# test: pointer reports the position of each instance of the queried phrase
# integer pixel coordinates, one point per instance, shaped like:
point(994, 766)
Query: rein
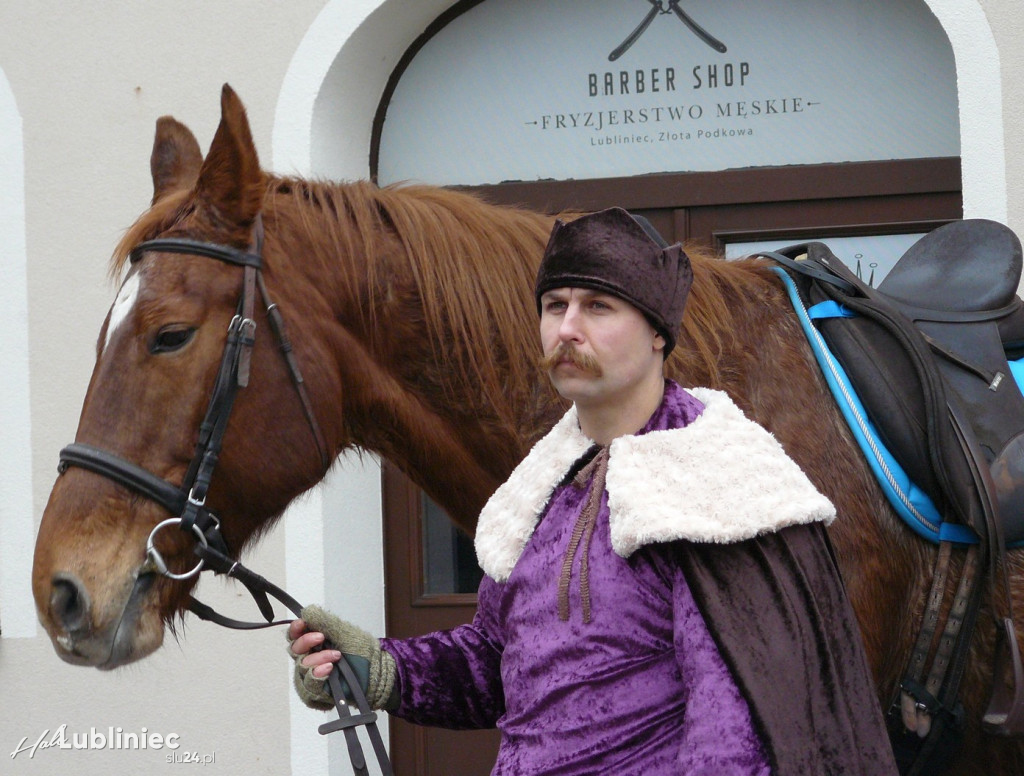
point(187, 502)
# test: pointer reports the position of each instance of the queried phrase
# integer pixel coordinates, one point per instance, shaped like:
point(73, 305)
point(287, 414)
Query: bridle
point(187, 502)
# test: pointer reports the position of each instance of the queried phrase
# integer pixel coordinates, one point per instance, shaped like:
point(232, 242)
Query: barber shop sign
point(566, 89)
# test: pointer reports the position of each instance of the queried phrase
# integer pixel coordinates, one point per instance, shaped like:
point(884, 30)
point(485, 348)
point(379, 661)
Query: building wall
point(1007, 22)
point(80, 88)
point(87, 82)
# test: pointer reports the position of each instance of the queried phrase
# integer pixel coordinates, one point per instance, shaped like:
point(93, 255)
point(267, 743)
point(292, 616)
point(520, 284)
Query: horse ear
point(176, 158)
point(230, 187)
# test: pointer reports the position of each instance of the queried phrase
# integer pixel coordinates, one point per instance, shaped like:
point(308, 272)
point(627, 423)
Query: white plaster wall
point(17, 619)
point(85, 84)
point(982, 132)
point(1006, 21)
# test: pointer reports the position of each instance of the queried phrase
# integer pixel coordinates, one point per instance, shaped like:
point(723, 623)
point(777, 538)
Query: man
point(660, 596)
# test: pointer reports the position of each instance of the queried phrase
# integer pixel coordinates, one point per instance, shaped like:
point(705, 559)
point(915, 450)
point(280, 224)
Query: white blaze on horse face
point(123, 304)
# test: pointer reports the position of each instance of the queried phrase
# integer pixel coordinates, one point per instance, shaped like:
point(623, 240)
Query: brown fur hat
point(611, 251)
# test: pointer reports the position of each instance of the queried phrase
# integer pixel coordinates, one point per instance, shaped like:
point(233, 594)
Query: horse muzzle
point(82, 636)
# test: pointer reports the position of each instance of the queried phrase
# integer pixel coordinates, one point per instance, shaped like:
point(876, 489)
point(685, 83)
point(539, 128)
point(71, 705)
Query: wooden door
point(431, 577)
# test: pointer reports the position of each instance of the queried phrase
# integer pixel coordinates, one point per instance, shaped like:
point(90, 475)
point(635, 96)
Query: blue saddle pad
point(911, 503)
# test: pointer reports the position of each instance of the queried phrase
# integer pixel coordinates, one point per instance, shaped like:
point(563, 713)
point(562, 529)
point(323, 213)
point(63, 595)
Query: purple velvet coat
point(738, 657)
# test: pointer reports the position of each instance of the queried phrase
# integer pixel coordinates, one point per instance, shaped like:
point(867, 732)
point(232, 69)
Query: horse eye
point(172, 338)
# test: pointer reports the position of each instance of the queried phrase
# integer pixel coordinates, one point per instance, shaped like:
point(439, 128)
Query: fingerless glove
point(374, 668)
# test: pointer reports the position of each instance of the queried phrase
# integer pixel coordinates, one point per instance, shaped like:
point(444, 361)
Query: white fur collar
point(723, 479)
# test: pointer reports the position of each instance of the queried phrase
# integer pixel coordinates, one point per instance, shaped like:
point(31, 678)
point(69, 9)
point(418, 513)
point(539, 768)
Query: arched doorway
point(725, 141)
point(323, 127)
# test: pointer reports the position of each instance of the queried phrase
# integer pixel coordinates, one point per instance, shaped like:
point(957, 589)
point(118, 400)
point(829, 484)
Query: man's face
point(598, 348)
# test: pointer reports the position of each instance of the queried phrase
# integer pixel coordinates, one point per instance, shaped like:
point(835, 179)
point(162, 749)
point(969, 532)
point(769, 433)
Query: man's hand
point(303, 641)
point(319, 640)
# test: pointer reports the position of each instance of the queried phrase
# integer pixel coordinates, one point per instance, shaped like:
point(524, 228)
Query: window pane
point(870, 257)
point(449, 560)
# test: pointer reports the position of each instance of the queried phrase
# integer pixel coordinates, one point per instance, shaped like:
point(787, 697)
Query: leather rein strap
point(341, 674)
point(187, 502)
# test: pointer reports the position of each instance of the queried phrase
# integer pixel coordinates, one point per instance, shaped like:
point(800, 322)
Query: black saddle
point(927, 352)
point(963, 267)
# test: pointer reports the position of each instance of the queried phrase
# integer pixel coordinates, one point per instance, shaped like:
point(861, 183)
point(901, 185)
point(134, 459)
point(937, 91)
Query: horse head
point(158, 358)
point(412, 322)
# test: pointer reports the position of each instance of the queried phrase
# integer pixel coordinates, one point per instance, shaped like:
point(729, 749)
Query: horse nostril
point(69, 603)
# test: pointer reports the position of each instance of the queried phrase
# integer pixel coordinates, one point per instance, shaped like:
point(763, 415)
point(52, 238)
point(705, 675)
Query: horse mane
point(463, 259)
point(164, 213)
point(723, 292)
point(476, 296)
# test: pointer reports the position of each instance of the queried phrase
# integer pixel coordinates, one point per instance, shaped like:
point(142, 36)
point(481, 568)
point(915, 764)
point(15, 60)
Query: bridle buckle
point(198, 503)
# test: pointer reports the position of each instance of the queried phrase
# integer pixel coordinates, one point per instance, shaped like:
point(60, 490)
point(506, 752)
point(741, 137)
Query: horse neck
point(427, 327)
point(740, 336)
point(744, 338)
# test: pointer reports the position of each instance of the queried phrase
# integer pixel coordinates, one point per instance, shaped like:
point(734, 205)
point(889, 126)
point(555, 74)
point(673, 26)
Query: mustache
point(566, 351)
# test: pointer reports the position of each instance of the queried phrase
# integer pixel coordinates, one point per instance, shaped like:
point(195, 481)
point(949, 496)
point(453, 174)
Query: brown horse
point(412, 318)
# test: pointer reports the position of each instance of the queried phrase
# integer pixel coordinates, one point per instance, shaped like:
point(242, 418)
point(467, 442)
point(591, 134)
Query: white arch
point(328, 88)
point(17, 615)
point(979, 88)
point(320, 95)
point(332, 88)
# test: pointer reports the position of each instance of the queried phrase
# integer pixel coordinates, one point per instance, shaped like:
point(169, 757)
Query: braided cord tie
point(582, 532)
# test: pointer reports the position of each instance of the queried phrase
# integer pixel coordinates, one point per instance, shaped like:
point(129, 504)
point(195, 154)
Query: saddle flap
point(965, 266)
point(1008, 475)
point(904, 396)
